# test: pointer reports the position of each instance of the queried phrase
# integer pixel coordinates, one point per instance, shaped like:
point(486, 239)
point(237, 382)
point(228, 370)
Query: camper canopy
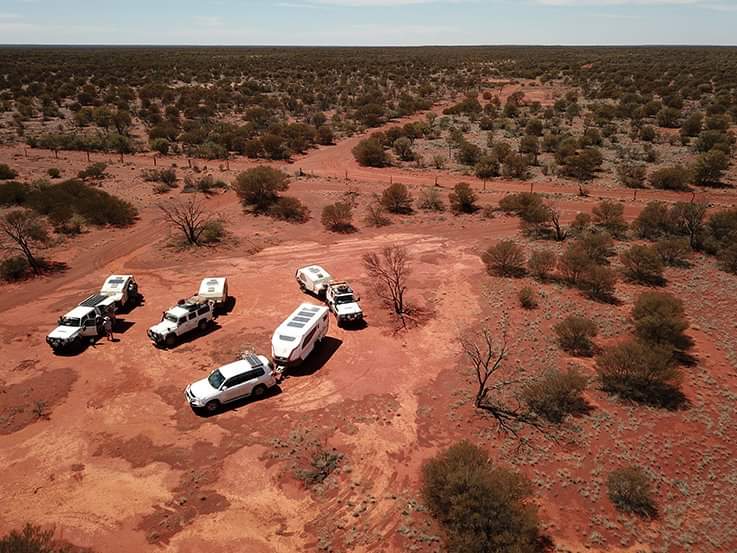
point(290, 334)
point(214, 288)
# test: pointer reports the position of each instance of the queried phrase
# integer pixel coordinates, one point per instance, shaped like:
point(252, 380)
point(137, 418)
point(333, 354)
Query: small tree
point(259, 188)
point(557, 395)
point(541, 263)
point(609, 215)
point(289, 209)
point(710, 167)
point(676, 177)
point(487, 168)
point(396, 199)
point(376, 215)
point(660, 319)
point(430, 200)
point(574, 335)
point(483, 508)
point(389, 272)
point(632, 175)
point(338, 217)
point(643, 264)
point(22, 230)
point(673, 252)
point(463, 199)
point(370, 153)
point(599, 282)
point(505, 258)
point(189, 217)
point(629, 489)
point(689, 219)
point(403, 148)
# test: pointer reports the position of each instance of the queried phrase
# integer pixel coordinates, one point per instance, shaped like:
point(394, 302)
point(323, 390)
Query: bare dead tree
point(21, 230)
point(554, 214)
point(487, 359)
point(390, 270)
point(189, 217)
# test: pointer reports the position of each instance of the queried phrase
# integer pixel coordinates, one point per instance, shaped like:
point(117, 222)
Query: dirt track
point(118, 461)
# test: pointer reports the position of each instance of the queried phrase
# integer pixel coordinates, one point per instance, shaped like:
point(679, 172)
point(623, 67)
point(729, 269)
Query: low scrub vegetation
point(630, 491)
point(338, 217)
point(557, 395)
point(505, 258)
point(575, 334)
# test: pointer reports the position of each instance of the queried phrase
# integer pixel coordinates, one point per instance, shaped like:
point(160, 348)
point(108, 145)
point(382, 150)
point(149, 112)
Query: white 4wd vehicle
point(343, 302)
point(84, 321)
point(251, 376)
point(313, 279)
point(186, 316)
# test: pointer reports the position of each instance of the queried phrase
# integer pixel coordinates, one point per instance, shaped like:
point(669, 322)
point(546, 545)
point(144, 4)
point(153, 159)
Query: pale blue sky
point(368, 22)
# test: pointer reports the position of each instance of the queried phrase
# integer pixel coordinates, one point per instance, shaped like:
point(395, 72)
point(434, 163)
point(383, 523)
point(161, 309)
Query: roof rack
point(93, 301)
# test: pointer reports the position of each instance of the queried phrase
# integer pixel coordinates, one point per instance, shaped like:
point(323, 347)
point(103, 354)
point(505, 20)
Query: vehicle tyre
point(212, 406)
point(259, 391)
point(170, 340)
point(202, 325)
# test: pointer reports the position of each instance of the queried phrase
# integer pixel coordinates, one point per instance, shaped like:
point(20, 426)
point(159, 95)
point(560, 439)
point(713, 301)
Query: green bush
point(213, 232)
point(370, 153)
point(641, 372)
point(728, 259)
point(660, 319)
point(643, 264)
point(338, 217)
point(54, 173)
point(609, 215)
point(632, 175)
point(482, 507)
point(6, 173)
point(676, 177)
point(94, 171)
point(673, 252)
point(160, 145)
point(541, 263)
point(655, 220)
point(430, 200)
point(259, 188)
point(527, 298)
point(574, 335)
point(396, 198)
point(463, 199)
point(289, 209)
point(14, 268)
point(710, 167)
point(598, 282)
point(629, 490)
point(557, 395)
point(206, 184)
point(505, 258)
point(13, 193)
point(164, 176)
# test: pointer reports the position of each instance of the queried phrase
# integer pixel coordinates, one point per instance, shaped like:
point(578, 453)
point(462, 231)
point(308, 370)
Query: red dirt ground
point(119, 462)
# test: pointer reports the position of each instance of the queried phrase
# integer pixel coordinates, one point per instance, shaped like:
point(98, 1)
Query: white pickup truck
point(343, 302)
point(186, 316)
point(84, 321)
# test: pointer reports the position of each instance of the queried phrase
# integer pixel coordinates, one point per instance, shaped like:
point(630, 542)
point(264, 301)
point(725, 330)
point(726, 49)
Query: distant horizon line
point(508, 45)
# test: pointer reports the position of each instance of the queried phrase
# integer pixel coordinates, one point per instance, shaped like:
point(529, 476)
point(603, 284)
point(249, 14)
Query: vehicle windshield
point(70, 321)
point(171, 318)
point(216, 379)
point(345, 298)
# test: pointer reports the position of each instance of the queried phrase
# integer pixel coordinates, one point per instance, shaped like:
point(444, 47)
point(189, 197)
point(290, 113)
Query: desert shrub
point(640, 372)
point(61, 201)
point(710, 167)
point(556, 395)
point(527, 298)
point(516, 166)
point(164, 176)
point(574, 335)
point(541, 263)
point(643, 264)
point(403, 148)
point(14, 268)
point(581, 223)
point(721, 228)
point(34, 539)
point(527, 205)
point(13, 193)
point(597, 245)
point(673, 252)
point(429, 199)
point(676, 177)
point(370, 153)
point(574, 262)
point(94, 171)
point(505, 258)
point(439, 161)
point(659, 318)
point(289, 209)
point(629, 490)
point(6, 173)
point(54, 173)
point(205, 184)
point(213, 232)
point(487, 167)
point(67, 222)
point(338, 217)
point(396, 198)
point(463, 199)
point(323, 463)
point(598, 282)
point(259, 188)
point(648, 133)
point(482, 507)
point(160, 145)
point(632, 175)
point(655, 220)
point(727, 258)
point(468, 153)
point(376, 215)
point(609, 215)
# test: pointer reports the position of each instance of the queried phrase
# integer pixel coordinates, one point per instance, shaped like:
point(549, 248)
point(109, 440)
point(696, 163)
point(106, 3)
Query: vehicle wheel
point(170, 340)
point(259, 391)
point(202, 325)
point(212, 406)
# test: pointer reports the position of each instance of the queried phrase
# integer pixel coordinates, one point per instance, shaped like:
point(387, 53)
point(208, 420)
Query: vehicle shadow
point(237, 404)
point(125, 309)
point(122, 326)
point(227, 307)
point(353, 327)
point(319, 357)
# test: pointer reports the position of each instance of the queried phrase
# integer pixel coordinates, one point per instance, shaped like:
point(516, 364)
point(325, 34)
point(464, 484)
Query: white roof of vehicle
point(241, 366)
point(79, 312)
point(212, 285)
point(116, 281)
point(301, 321)
point(315, 273)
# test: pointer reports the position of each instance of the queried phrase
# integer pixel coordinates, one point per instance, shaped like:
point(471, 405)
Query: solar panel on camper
point(302, 319)
point(296, 325)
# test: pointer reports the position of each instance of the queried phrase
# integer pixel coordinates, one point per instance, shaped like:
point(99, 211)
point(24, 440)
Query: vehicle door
point(190, 321)
point(89, 325)
point(254, 377)
point(234, 387)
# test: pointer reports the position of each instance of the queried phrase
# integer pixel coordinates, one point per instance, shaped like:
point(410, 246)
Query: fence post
point(436, 180)
point(121, 157)
point(227, 165)
point(391, 180)
point(189, 163)
point(88, 155)
point(154, 160)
